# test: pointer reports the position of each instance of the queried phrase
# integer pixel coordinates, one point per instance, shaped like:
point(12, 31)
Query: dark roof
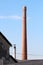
point(13, 59)
point(5, 39)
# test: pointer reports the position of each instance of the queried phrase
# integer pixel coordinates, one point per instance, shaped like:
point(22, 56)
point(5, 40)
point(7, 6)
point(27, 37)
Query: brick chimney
point(24, 35)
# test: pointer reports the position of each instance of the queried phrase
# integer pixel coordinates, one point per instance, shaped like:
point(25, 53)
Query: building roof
point(13, 59)
point(5, 39)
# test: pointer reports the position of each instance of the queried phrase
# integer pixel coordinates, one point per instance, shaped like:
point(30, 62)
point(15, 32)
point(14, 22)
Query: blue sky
point(11, 25)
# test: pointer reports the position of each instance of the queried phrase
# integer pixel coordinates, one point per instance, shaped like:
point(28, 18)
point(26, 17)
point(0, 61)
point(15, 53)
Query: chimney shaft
point(15, 51)
point(24, 35)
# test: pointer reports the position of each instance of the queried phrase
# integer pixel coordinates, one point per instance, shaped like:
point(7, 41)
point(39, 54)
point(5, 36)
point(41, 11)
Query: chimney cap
point(24, 7)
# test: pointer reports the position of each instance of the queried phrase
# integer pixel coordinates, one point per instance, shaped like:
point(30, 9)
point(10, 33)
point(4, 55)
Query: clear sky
point(11, 25)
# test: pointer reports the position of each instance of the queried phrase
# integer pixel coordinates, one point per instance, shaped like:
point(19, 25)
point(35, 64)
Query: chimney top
point(14, 45)
point(24, 7)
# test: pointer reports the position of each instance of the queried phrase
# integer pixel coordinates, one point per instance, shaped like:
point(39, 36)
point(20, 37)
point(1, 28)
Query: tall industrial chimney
point(24, 35)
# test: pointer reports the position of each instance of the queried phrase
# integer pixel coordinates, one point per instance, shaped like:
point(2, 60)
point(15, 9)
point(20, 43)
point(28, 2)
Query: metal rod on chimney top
point(15, 51)
point(24, 35)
